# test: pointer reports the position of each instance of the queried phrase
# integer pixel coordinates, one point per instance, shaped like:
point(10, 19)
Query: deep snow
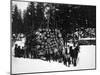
point(26, 65)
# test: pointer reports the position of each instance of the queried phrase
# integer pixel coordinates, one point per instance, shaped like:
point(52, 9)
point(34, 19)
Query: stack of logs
point(49, 40)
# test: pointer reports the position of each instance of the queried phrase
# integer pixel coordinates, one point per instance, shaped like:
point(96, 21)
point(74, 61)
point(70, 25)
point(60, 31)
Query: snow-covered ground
point(86, 61)
point(87, 39)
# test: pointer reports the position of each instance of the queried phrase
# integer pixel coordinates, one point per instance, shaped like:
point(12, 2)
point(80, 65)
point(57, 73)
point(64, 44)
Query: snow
point(26, 65)
point(87, 39)
point(20, 43)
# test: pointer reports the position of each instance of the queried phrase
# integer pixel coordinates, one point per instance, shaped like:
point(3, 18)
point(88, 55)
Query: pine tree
point(16, 20)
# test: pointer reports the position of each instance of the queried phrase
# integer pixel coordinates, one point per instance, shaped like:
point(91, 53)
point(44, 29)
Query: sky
point(21, 5)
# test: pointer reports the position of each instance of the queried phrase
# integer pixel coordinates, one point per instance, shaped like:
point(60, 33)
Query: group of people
point(18, 51)
point(51, 48)
point(71, 55)
point(67, 56)
point(24, 52)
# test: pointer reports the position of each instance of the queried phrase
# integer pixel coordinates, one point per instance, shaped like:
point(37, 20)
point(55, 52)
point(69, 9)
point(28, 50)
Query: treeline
point(61, 16)
point(28, 20)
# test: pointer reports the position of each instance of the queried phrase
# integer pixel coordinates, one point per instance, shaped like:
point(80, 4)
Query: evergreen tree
point(17, 25)
point(33, 16)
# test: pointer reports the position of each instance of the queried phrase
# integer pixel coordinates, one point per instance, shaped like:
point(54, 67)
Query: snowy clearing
point(24, 65)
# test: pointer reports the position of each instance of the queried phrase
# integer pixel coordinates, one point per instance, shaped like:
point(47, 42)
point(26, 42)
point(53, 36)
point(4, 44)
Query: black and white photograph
point(52, 37)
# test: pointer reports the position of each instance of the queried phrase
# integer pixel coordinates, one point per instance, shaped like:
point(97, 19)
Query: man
point(71, 54)
point(76, 51)
point(68, 56)
point(16, 50)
